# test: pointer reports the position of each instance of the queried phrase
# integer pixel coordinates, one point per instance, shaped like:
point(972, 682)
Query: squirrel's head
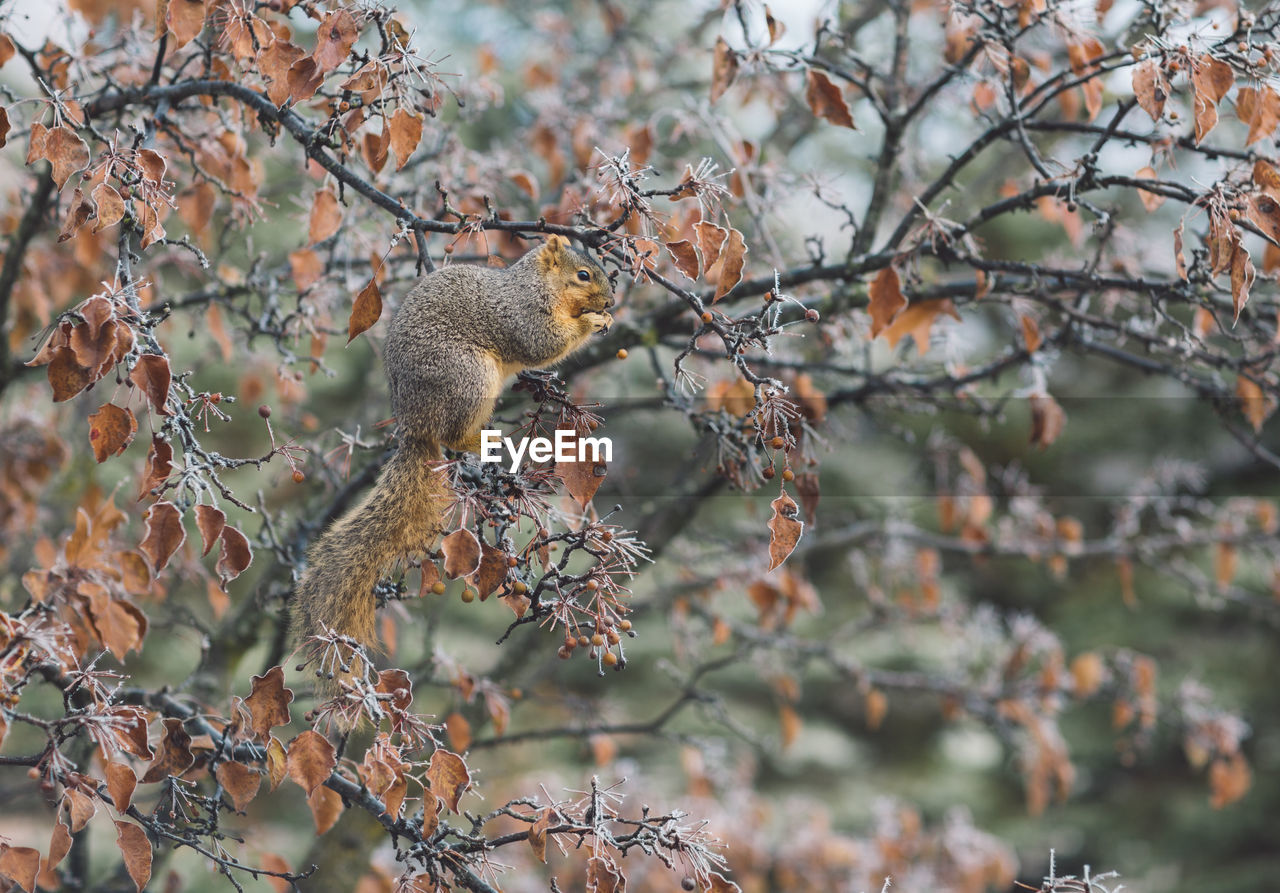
point(577, 278)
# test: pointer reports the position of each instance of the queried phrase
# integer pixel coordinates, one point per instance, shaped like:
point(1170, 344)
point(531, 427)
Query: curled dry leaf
point(64, 150)
point(1242, 278)
point(111, 430)
point(310, 759)
point(136, 849)
point(545, 821)
point(685, 256)
point(366, 310)
point(110, 206)
point(276, 761)
point(326, 807)
point(461, 553)
point(1150, 88)
point(917, 322)
point(274, 63)
point(326, 216)
point(1047, 420)
point(491, 573)
point(406, 133)
point(21, 864)
point(886, 299)
point(239, 781)
point(4, 126)
point(159, 464)
point(784, 529)
point(185, 19)
point(164, 534)
point(1264, 212)
point(724, 68)
point(268, 703)
point(59, 846)
point(1259, 107)
point(448, 776)
point(174, 756)
point(1254, 403)
point(733, 255)
point(1210, 80)
point(153, 376)
point(710, 240)
point(235, 557)
point(120, 785)
point(825, 99)
point(210, 521)
point(335, 37)
point(1150, 199)
point(1031, 338)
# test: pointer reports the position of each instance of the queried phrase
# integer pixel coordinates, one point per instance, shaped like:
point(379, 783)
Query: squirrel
point(458, 334)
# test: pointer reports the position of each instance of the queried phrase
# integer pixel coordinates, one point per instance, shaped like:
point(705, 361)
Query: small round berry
point(583, 641)
point(788, 474)
point(570, 642)
point(519, 587)
point(613, 638)
point(625, 626)
point(768, 473)
point(512, 561)
point(592, 585)
point(298, 476)
point(597, 640)
point(706, 316)
point(778, 442)
point(622, 353)
point(215, 399)
point(609, 658)
point(688, 884)
point(448, 249)
point(564, 653)
point(265, 411)
point(468, 595)
point(517, 694)
point(438, 587)
point(812, 315)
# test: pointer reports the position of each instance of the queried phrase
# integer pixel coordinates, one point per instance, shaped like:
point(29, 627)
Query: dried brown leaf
point(210, 521)
point(326, 807)
point(65, 151)
point(785, 529)
point(685, 256)
point(239, 781)
point(111, 430)
point(153, 376)
point(406, 133)
point(235, 557)
point(448, 776)
point(164, 534)
point(337, 33)
point(326, 216)
point(917, 322)
point(310, 760)
point(461, 553)
point(366, 310)
point(1047, 420)
point(1151, 88)
point(120, 785)
point(732, 259)
point(136, 849)
point(21, 864)
point(724, 68)
point(886, 300)
point(174, 756)
point(825, 99)
point(268, 703)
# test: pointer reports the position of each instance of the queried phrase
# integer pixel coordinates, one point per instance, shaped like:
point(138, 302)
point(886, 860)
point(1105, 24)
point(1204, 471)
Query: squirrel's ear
point(553, 251)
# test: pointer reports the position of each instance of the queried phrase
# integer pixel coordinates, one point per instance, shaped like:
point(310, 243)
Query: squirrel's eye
point(584, 276)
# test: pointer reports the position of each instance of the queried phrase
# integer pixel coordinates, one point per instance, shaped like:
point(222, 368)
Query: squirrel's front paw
point(600, 322)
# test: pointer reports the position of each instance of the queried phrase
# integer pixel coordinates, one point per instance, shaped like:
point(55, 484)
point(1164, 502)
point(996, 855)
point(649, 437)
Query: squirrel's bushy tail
point(401, 515)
